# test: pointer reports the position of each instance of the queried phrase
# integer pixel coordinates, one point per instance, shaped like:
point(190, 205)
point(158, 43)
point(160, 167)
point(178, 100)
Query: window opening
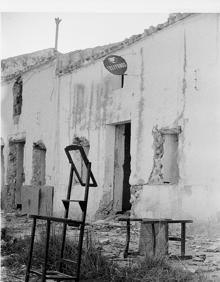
point(17, 96)
point(39, 164)
point(165, 167)
point(169, 161)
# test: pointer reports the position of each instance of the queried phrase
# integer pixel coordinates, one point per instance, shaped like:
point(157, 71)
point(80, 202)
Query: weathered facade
point(153, 143)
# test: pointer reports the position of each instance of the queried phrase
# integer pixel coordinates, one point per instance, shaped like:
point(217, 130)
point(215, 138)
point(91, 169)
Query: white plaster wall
point(193, 71)
point(91, 114)
point(161, 89)
point(37, 120)
point(143, 101)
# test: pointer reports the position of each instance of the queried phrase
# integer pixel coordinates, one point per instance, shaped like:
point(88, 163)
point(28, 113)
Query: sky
point(28, 25)
point(28, 32)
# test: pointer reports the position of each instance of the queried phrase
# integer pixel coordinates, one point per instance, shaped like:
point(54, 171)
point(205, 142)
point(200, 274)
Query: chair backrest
point(80, 149)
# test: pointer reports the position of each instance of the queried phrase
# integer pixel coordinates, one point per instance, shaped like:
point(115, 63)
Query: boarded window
point(39, 164)
point(17, 96)
point(169, 161)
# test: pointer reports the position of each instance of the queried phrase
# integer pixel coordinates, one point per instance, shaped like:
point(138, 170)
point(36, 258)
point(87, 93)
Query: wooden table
point(165, 221)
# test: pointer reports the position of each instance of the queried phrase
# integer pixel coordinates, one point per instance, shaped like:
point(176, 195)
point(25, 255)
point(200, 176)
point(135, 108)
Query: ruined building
point(154, 140)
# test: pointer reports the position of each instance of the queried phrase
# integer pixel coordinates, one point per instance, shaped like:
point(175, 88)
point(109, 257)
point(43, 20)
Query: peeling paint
point(156, 175)
point(135, 193)
point(39, 144)
point(160, 173)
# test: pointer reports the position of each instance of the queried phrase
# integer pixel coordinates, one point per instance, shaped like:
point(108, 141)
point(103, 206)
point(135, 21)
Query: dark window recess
point(39, 164)
point(17, 96)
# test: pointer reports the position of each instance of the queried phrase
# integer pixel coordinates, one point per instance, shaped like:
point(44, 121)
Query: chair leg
point(30, 250)
point(167, 237)
point(46, 251)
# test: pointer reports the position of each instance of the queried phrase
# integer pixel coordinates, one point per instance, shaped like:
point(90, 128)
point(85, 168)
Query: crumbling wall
point(165, 145)
point(39, 164)
point(156, 176)
point(9, 190)
point(135, 192)
point(17, 96)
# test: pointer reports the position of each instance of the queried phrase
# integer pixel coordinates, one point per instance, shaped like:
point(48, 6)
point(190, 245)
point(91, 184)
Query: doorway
point(16, 172)
point(122, 167)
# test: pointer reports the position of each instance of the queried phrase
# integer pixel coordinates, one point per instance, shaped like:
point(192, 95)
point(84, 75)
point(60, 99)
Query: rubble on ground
point(110, 236)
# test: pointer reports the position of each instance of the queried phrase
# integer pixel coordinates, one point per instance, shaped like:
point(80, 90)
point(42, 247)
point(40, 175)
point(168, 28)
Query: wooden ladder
point(59, 275)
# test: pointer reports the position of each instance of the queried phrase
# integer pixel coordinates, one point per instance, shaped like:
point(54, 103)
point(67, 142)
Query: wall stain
point(80, 104)
point(140, 107)
point(70, 106)
point(90, 106)
point(99, 91)
point(184, 82)
point(105, 101)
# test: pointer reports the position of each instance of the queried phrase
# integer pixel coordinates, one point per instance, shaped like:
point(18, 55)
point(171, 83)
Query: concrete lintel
point(167, 130)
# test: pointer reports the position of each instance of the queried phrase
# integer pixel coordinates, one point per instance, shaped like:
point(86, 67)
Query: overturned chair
point(46, 274)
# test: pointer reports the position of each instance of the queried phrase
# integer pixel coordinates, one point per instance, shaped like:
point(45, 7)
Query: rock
point(213, 249)
point(199, 259)
point(104, 241)
point(191, 269)
point(3, 243)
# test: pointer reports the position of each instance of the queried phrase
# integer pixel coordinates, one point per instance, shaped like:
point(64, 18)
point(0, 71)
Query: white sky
point(29, 32)
point(28, 26)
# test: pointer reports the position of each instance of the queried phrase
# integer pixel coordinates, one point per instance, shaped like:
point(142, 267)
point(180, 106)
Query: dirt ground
point(203, 243)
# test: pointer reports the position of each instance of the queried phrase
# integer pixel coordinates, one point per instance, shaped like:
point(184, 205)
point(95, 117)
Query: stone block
point(46, 200)
point(151, 245)
point(30, 199)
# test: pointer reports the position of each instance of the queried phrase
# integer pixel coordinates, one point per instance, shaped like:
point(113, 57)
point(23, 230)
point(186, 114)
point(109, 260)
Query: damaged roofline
point(77, 58)
point(16, 66)
point(111, 48)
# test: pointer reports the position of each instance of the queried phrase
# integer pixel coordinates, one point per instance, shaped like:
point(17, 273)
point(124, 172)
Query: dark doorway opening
point(122, 167)
point(126, 205)
point(16, 172)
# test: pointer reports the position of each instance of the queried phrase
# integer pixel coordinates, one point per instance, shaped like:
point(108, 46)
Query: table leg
point(154, 238)
point(128, 236)
point(183, 238)
point(167, 237)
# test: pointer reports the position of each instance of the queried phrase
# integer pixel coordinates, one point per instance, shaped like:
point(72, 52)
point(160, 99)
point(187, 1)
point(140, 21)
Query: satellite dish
point(115, 64)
